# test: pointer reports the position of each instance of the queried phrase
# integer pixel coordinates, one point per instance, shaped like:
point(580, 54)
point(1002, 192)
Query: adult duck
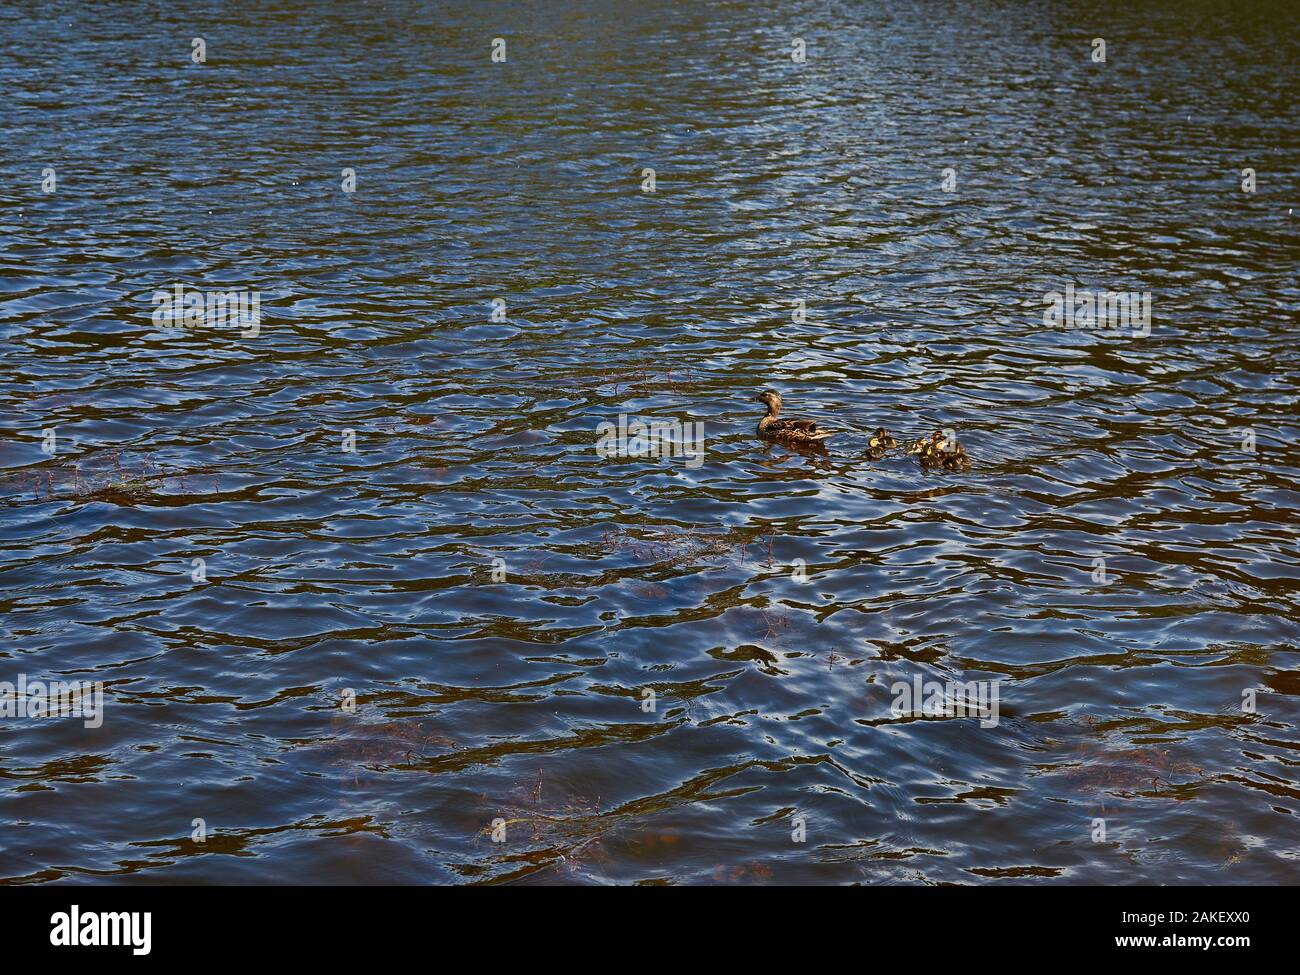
point(804, 433)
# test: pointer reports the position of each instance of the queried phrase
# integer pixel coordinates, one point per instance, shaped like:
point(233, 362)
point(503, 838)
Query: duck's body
point(799, 432)
point(941, 452)
point(882, 441)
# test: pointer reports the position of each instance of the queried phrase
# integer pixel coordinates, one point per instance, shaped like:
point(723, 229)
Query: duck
point(926, 449)
point(941, 452)
point(881, 441)
point(798, 432)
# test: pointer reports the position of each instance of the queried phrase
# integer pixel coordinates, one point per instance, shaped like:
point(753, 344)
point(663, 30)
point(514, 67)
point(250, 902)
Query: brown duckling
point(797, 432)
point(881, 441)
point(927, 450)
point(941, 452)
point(955, 458)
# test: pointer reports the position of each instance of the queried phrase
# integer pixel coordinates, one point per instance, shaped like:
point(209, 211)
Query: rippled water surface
point(498, 596)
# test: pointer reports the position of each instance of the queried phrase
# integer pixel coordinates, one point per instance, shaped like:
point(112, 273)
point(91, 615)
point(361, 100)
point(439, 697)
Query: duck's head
point(771, 398)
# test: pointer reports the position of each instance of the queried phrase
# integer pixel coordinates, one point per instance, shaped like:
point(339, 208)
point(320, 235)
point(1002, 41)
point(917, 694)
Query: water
point(371, 571)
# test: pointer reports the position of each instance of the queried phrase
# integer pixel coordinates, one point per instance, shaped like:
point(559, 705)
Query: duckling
point(955, 458)
point(942, 452)
point(881, 441)
point(927, 449)
point(796, 432)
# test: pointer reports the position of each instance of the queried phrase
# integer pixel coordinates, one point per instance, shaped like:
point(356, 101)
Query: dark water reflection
point(520, 699)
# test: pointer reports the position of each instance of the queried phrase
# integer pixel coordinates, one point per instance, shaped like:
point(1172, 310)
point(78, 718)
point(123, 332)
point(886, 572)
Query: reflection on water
point(363, 595)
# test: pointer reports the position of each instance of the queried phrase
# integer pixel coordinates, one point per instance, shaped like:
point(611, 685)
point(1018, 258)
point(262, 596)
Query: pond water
point(358, 584)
